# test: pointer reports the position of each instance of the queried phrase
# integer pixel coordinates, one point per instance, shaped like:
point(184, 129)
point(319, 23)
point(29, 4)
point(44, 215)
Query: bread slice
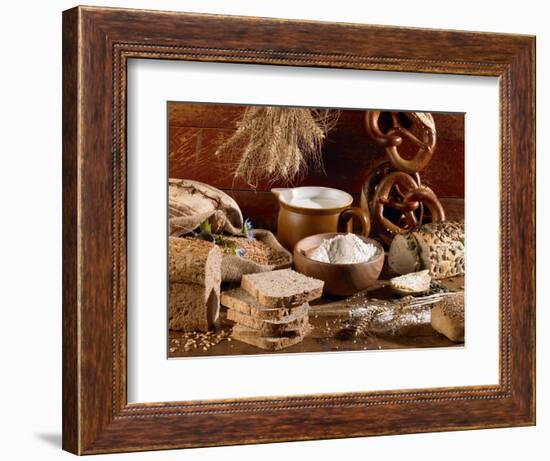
point(270, 343)
point(293, 324)
point(241, 301)
point(447, 317)
point(193, 307)
point(414, 283)
point(282, 288)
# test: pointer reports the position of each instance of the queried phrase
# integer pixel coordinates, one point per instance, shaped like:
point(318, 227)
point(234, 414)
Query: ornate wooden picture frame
point(97, 44)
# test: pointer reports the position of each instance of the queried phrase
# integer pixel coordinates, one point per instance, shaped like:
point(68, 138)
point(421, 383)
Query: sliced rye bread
point(282, 288)
point(241, 301)
point(270, 343)
point(294, 324)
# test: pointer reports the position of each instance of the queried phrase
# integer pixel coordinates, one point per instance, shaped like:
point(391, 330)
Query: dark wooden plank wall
point(196, 130)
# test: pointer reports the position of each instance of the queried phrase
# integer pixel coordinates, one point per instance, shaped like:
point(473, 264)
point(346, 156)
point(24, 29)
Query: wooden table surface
point(327, 317)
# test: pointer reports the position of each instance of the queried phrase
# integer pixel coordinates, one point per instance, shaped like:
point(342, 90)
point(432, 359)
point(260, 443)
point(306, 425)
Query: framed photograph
point(280, 230)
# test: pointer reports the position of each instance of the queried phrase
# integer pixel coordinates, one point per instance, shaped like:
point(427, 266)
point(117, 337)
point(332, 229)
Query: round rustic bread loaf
point(192, 202)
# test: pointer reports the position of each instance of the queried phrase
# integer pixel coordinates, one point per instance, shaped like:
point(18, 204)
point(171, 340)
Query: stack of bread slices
point(270, 309)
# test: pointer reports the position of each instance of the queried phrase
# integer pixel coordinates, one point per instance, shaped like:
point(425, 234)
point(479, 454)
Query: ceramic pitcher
point(305, 211)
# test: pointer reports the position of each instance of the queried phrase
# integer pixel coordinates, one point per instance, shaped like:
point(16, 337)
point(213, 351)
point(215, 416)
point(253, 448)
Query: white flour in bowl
point(344, 249)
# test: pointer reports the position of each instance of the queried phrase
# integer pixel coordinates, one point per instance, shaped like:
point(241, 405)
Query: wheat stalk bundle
point(277, 143)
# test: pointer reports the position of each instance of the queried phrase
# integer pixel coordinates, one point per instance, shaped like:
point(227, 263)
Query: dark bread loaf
point(192, 307)
point(194, 268)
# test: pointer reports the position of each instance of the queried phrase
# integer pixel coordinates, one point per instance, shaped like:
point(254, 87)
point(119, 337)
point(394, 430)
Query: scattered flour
point(344, 249)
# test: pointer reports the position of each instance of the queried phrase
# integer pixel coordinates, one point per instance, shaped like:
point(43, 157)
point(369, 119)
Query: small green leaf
point(206, 227)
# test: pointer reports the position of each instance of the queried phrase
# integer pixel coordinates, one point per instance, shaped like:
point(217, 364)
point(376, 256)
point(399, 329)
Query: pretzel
point(395, 136)
point(401, 193)
point(373, 178)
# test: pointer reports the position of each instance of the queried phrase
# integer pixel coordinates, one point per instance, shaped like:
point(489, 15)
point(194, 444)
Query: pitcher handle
point(354, 212)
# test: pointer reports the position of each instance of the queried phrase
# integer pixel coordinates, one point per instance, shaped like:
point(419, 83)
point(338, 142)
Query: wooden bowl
point(340, 279)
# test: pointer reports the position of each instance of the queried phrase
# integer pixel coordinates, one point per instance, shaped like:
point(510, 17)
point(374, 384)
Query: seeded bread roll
point(282, 288)
point(292, 324)
point(241, 301)
point(447, 317)
point(437, 247)
point(254, 338)
point(194, 288)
